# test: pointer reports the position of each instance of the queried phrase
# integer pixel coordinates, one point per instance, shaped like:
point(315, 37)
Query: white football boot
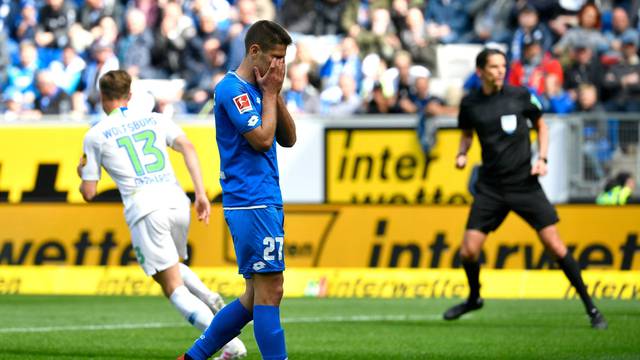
point(215, 302)
point(234, 349)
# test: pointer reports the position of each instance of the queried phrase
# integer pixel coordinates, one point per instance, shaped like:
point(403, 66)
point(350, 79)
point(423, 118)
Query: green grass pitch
point(66, 327)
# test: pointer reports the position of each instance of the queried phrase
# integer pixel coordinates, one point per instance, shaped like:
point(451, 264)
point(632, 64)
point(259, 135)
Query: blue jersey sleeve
point(239, 107)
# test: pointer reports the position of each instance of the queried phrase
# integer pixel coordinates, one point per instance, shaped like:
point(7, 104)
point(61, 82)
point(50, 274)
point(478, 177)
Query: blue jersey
point(248, 177)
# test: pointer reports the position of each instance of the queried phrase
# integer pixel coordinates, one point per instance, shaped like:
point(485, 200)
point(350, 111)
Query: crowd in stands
point(349, 56)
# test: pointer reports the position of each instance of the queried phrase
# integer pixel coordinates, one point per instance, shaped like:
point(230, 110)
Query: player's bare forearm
point(261, 138)
point(88, 189)
point(543, 138)
point(188, 151)
point(540, 166)
point(465, 141)
point(286, 127)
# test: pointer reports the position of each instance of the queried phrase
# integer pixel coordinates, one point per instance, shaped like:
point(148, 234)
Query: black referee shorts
point(492, 203)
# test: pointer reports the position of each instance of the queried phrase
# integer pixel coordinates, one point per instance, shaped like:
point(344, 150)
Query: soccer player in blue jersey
point(250, 117)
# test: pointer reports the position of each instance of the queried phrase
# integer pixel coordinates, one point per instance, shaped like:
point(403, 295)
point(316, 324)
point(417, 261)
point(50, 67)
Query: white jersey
point(132, 147)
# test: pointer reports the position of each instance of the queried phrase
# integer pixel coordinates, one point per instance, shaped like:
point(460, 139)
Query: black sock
point(472, 268)
point(572, 271)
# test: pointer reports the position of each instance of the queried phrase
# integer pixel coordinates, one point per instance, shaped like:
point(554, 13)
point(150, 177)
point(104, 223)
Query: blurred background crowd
point(349, 56)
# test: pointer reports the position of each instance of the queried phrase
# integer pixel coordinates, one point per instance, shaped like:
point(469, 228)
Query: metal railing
point(601, 145)
point(595, 147)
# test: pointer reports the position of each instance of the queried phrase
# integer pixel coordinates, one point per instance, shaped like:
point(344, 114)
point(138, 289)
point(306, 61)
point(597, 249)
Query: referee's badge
point(509, 123)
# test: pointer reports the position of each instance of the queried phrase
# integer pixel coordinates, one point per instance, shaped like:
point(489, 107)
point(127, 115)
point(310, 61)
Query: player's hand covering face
point(270, 69)
point(271, 82)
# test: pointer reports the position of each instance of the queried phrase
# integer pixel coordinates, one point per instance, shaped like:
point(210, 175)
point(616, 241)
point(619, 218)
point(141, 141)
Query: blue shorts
point(258, 239)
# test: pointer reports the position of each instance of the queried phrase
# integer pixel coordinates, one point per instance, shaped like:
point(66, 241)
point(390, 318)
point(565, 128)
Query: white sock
point(193, 310)
point(194, 284)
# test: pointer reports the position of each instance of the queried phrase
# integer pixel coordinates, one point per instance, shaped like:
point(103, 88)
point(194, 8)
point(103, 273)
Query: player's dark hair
point(115, 84)
point(267, 34)
point(483, 56)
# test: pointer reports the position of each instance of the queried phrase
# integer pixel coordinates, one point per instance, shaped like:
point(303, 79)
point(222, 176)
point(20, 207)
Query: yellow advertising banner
point(374, 166)
point(331, 236)
point(39, 162)
point(327, 282)
point(387, 166)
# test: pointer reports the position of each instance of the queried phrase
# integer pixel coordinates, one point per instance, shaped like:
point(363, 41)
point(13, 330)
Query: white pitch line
point(89, 327)
point(362, 318)
point(295, 320)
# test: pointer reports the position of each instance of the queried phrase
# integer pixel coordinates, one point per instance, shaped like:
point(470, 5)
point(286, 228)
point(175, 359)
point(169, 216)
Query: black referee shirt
point(500, 120)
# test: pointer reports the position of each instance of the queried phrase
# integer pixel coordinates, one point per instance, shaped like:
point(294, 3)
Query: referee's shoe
point(597, 320)
point(463, 308)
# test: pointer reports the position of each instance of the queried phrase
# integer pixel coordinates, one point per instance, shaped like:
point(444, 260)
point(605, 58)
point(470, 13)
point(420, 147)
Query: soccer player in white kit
point(132, 148)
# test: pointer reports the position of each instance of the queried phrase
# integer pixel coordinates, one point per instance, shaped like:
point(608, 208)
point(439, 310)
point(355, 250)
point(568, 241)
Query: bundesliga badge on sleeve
point(242, 103)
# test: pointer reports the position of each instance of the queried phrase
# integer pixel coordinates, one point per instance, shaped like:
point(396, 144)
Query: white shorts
point(160, 239)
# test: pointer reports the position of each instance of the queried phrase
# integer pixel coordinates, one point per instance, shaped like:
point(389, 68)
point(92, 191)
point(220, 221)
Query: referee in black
point(507, 180)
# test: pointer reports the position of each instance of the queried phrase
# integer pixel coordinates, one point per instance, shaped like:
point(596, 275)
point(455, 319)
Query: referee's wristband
point(544, 159)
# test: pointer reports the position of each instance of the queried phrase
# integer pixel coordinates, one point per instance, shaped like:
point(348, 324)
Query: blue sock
point(269, 335)
point(225, 326)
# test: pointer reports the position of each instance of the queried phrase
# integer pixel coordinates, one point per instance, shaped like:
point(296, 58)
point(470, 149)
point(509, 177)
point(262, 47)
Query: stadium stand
point(197, 40)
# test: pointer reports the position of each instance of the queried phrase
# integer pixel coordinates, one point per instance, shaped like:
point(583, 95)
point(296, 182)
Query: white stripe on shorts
point(245, 207)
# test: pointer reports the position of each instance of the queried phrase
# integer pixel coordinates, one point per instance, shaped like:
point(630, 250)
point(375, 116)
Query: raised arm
point(261, 137)
point(182, 145)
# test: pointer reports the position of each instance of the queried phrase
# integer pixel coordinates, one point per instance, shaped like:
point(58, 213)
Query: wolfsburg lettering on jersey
point(128, 127)
point(155, 179)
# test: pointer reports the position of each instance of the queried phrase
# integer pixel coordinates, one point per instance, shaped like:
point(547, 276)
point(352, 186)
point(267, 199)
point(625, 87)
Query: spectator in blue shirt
point(4, 59)
point(448, 20)
point(26, 25)
point(67, 72)
point(555, 99)
point(342, 99)
point(21, 77)
point(529, 24)
point(345, 60)
point(621, 27)
point(301, 98)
